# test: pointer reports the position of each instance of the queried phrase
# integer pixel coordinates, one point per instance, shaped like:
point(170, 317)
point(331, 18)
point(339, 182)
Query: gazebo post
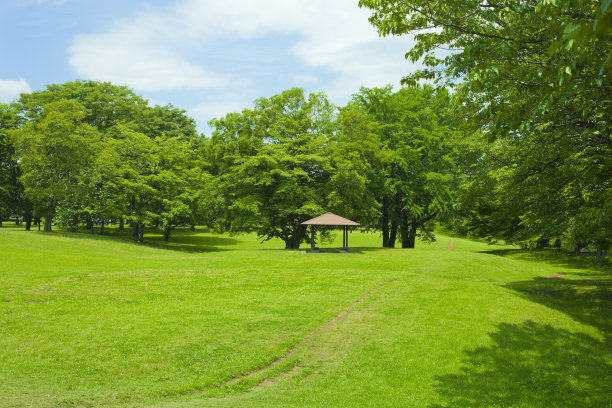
point(347, 231)
point(345, 240)
point(312, 233)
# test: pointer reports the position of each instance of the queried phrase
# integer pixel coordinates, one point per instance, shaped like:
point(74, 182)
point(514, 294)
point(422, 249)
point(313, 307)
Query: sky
point(208, 57)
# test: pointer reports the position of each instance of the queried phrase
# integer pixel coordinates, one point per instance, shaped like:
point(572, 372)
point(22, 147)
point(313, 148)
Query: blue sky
point(209, 57)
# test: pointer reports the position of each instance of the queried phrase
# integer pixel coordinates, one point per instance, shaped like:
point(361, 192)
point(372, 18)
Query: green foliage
point(105, 104)
point(155, 181)
point(272, 164)
point(413, 181)
point(385, 160)
point(56, 156)
point(357, 157)
point(11, 190)
point(533, 73)
point(92, 151)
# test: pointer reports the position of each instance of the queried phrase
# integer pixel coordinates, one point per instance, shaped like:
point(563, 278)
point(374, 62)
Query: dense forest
point(506, 137)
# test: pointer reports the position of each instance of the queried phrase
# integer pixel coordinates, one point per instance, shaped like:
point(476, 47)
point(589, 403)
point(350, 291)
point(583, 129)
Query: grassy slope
point(89, 321)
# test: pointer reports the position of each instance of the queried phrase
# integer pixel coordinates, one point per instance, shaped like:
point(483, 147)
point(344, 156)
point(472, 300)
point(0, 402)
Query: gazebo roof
point(330, 219)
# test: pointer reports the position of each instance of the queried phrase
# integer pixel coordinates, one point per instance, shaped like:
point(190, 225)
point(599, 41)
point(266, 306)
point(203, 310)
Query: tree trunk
point(48, 226)
point(135, 232)
point(293, 242)
point(89, 223)
point(393, 234)
point(542, 243)
point(167, 230)
point(192, 227)
point(37, 222)
point(404, 229)
point(0, 222)
point(557, 243)
point(141, 228)
point(599, 254)
point(102, 228)
point(385, 224)
point(17, 220)
point(121, 224)
point(27, 216)
point(412, 234)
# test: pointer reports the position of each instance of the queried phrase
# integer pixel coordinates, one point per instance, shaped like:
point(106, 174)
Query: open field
point(213, 320)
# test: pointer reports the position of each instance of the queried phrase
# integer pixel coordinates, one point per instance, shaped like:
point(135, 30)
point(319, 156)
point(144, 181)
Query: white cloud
point(11, 89)
point(132, 54)
point(305, 79)
point(185, 45)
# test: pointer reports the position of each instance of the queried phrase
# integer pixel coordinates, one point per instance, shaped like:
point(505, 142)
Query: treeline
point(82, 152)
point(85, 152)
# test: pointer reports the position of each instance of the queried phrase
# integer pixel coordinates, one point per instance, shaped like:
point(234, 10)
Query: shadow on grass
point(192, 243)
point(588, 301)
point(184, 241)
point(554, 257)
point(535, 365)
point(531, 365)
point(306, 249)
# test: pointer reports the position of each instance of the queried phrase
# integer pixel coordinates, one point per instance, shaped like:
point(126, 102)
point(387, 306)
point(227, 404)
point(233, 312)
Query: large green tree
point(11, 190)
point(105, 104)
point(535, 73)
point(274, 171)
point(413, 181)
point(106, 107)
point(153, 181)
point(56, 154)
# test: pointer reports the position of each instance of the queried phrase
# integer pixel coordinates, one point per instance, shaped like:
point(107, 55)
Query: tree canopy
point(535, 74)
point(520, 148)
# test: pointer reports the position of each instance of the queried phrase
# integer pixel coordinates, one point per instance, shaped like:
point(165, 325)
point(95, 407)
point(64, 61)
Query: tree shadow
point(536, 365)
point(588, 301)
point(531, 365)
point(351, 251)
point(192, 243)
point(555, 257)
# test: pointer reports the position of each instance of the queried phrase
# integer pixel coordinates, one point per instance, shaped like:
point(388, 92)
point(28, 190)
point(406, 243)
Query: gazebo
point(330, 219)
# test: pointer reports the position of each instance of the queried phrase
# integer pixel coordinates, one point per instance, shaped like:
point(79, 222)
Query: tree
point(11, 191)
point(415, 181)
point(166, 120)
point(153, 181)
point(106, 108)
point(275, 170)
point(357, 157)
point(536, 74)
point(181, 182)
point(55, 154)
point(105, 104)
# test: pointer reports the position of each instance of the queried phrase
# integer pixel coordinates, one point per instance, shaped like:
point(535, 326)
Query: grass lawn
point(212, 320)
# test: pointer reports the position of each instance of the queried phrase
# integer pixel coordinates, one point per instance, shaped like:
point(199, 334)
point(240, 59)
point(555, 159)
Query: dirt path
point(450, 245)
point(308, 339)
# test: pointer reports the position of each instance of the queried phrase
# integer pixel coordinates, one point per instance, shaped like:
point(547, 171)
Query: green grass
point(213, 320)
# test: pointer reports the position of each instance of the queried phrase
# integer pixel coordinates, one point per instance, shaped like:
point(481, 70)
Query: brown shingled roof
point(330, 219)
